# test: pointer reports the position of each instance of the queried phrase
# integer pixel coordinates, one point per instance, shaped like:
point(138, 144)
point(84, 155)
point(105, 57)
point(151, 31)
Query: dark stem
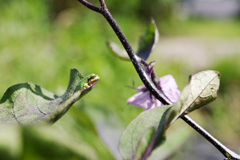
point(133, 57)
point(154, 76)
point(90, 6)
point(148, 82)
point(103, 5)
point(223, 149)
point(135, 60)
point(155, 79)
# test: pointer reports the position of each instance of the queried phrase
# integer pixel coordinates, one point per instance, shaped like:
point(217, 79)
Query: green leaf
point(28, 104)
point(147, 131)
point(146, 44)
point(175, 141)
point(204, 88)
point(137, 136)
point(148, 41)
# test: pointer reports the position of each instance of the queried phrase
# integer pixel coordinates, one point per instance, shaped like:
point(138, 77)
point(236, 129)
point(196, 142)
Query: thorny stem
point(148, 82)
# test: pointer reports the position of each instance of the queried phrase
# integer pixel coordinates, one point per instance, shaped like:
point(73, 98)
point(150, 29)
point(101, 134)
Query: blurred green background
point(40, 41)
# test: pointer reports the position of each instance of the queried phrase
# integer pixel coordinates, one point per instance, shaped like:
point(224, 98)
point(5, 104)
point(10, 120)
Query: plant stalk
point(223, 149)
point(133, 57)
point(148, 82)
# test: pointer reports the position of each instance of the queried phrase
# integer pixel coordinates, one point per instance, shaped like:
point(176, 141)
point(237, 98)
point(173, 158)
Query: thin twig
point(133, 57)
point(135, 60)
point(223, 149)
point(90, 6)
point(103, 4)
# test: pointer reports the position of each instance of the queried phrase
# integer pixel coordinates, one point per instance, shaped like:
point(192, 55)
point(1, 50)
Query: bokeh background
point(40, 41)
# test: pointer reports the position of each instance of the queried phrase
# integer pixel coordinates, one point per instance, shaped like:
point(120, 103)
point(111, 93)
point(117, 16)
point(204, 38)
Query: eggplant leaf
point(147, 131)
point(204, 88)
point(27, 103)
point(147, 43)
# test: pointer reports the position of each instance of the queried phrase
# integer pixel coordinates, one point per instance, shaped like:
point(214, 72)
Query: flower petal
point(169, 88)
point(147, 101)
point(144, 100)
point(141, 88)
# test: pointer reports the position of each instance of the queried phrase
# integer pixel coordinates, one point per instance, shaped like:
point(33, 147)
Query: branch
point(90, 6)
point(133, 57)
point(103, 5)
point(223, 149)
point(148, 82)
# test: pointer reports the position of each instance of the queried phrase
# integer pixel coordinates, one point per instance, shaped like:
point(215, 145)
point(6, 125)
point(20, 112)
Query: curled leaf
point(28, 104)
point(148, 41)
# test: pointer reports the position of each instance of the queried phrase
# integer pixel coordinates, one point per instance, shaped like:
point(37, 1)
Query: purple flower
point(146, 100)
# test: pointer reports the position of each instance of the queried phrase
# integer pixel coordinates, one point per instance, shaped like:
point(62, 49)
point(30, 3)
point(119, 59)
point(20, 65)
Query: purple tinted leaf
point(139, 133)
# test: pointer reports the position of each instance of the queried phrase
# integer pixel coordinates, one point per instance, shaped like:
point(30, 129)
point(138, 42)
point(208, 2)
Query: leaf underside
point(27, 103)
